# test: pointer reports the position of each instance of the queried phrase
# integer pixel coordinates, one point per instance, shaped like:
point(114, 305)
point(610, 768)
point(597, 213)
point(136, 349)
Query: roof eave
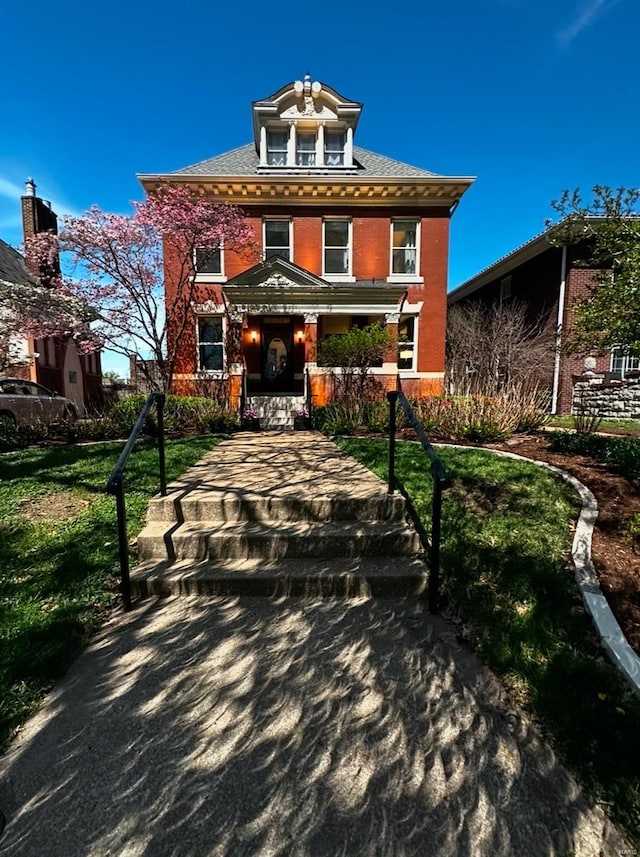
point(245, 189)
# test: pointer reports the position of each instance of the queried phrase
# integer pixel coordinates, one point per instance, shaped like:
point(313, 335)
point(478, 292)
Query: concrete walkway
point(232, 726)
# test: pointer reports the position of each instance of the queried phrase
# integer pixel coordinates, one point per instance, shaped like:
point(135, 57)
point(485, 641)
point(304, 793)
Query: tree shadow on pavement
point(240, 726)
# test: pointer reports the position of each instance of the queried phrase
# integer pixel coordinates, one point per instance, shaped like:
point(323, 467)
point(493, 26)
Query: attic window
point(277, 142)
point(306, 150)
point(334, 142)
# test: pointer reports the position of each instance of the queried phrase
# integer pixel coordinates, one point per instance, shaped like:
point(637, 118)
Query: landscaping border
point(609, 631)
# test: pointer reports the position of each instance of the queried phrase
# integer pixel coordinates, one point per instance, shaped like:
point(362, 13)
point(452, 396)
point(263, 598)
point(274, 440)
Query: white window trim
point(266, 220)
point(211, 373)
point(338, 278)
point(334, 130)
point(211, 278)
point(414, 362)
point(315, 127)
point(405, 278)
point(625, 366)
point(283, 129)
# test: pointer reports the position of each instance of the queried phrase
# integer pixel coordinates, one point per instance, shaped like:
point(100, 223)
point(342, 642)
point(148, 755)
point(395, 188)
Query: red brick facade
point(368, 191)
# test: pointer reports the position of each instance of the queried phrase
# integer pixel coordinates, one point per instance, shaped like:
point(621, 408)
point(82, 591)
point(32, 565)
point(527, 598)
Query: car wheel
point(7, 419)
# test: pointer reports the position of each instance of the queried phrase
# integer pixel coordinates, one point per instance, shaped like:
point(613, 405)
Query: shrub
point(182, 415)
point(355, 354)
point(620, 454)
point(480, 418)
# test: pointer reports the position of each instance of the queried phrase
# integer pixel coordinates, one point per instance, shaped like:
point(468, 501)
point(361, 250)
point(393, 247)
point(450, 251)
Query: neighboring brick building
point(549, 281)
point(53, 361)
point(344, 237)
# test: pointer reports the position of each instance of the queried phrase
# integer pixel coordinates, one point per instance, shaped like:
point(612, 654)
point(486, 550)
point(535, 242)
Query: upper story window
point(404, 247)
point(505, 288)
point(334, 144)
point(305, 149)
point(277, 144)
point(337, 247)
point(277, 238)
point(209, 260)
point(210, 343)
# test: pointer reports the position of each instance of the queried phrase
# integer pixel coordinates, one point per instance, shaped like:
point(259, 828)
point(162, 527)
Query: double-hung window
point(209, 260)
point(305, 149)
point(505, 289)
point(337, 247)
point(277, 238)
point(622, 362)
point(210, 343)
point(277, 144)
point(404, 247)
point(334, 142)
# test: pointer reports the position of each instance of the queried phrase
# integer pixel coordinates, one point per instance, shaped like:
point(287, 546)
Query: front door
point(277, 354)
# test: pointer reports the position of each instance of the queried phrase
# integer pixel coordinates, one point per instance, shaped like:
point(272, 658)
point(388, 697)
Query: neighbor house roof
point(244, 161)
point(540, 243)
point(12, 266)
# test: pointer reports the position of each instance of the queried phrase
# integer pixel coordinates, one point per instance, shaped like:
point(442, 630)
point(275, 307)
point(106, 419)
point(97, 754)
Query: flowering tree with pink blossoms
point(36, 309)
point(117, 270)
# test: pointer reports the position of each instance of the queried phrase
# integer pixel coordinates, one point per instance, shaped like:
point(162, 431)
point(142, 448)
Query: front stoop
point(276, 412)
point(285, 517)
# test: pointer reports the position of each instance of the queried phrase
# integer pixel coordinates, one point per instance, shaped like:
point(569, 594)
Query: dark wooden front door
point(276, 358)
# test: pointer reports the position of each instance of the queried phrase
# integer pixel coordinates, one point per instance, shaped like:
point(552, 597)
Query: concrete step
point(370, 576)
point(257, 540)
point(223, 504)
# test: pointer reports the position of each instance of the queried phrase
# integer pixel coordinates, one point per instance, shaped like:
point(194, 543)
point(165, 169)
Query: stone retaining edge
point(610, 632)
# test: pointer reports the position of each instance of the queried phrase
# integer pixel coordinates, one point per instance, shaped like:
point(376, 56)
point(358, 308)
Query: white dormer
point(305, 127)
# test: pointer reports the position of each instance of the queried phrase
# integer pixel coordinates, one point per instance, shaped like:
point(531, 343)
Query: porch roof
point(277, 285)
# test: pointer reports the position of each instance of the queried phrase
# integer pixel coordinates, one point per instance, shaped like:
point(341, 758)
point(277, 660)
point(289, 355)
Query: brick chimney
point(37, 216)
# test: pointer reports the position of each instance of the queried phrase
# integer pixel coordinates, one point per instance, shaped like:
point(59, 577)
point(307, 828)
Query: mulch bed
point(615, 551)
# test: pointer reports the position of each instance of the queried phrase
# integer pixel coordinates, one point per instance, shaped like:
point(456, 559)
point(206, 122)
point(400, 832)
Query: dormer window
point(277, 143)
point(305, 149)
point(305, 126)
point(334, 142)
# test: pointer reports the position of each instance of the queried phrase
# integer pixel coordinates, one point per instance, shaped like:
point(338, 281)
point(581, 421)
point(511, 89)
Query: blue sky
point(530, 96)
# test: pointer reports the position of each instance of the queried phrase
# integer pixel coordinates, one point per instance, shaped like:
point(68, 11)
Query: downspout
point(556, 365)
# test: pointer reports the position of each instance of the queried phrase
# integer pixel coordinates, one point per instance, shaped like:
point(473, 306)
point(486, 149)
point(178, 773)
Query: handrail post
point(392, 398)
point(434, 571)
point(123, 547)
point(308, 396)
point(163, 473)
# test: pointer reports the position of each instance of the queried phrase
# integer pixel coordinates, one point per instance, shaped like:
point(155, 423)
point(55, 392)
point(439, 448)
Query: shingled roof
point(12, 267)
point(244, 161)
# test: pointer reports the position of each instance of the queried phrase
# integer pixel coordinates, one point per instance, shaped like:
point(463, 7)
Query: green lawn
point(59, 555)
point(506, 541)
point(567, 422)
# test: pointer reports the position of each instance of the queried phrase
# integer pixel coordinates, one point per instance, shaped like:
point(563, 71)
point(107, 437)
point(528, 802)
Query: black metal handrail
point(115, 486)
point(440, 483)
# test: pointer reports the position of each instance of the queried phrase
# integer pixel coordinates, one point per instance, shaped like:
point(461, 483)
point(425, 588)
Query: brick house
point(549, 280)
point(53, 361)
point(344, 237)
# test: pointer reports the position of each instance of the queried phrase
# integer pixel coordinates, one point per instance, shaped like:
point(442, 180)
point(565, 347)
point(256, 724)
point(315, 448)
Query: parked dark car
point(25, 403)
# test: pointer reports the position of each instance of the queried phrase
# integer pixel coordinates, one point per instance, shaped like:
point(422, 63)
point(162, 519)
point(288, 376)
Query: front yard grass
point(59, 555)
point(507, 532)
